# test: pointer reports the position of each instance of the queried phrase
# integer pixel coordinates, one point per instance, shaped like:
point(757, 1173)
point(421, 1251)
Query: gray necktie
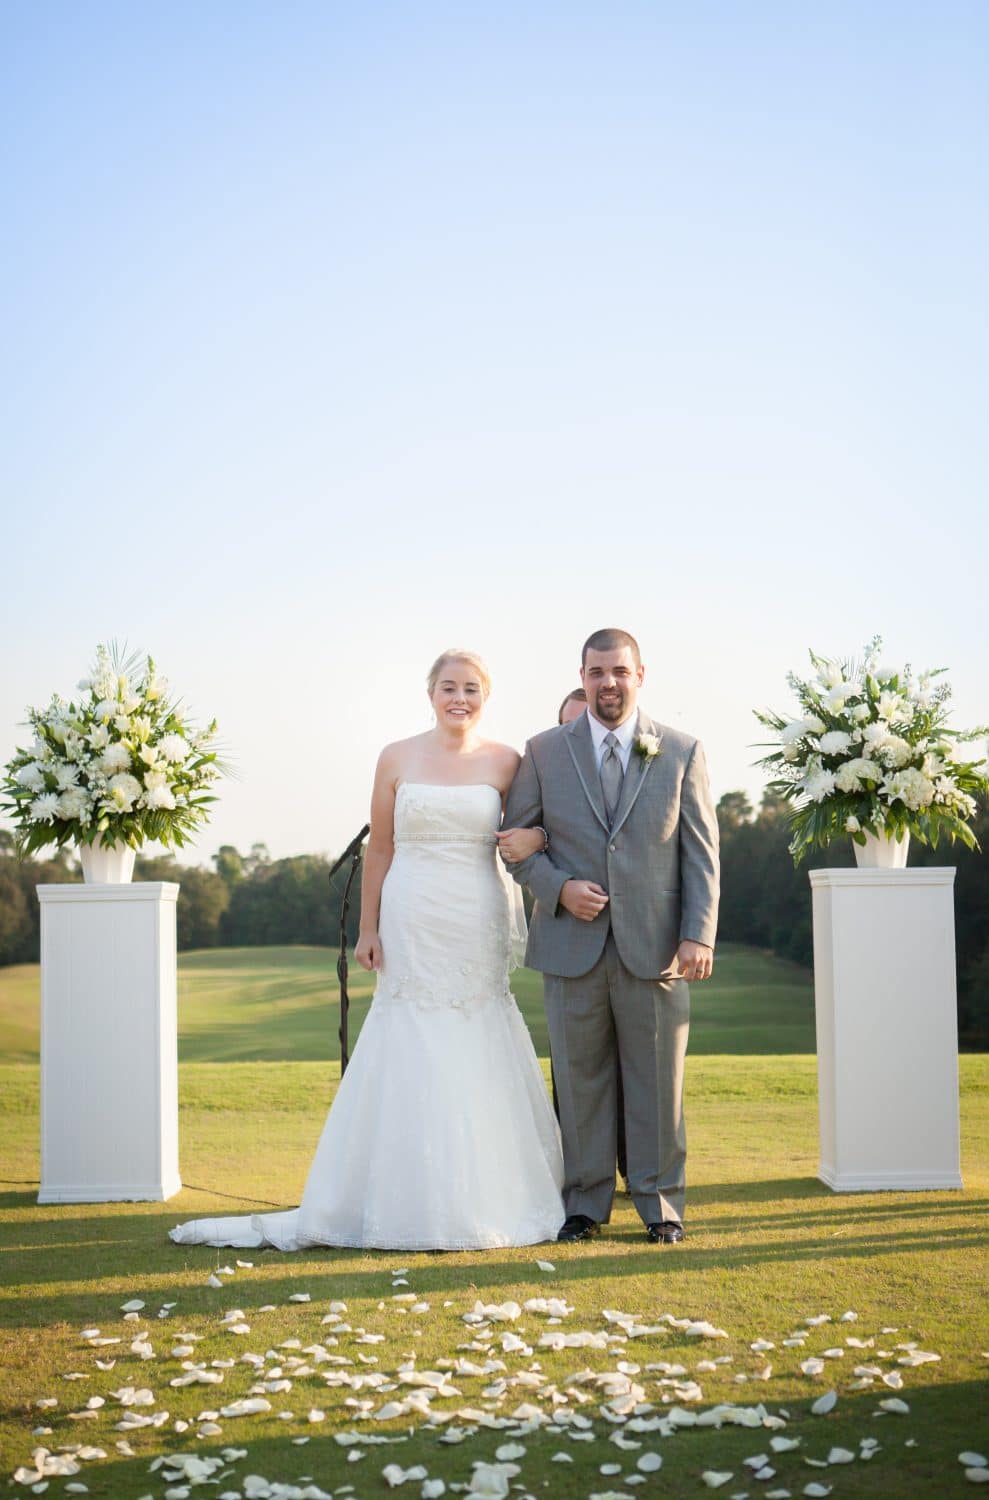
point(612, 776)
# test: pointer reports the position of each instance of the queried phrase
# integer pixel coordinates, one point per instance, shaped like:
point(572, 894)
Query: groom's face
point(611, 681)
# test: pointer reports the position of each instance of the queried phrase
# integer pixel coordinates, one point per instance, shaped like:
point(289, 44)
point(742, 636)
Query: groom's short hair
point(611, 640)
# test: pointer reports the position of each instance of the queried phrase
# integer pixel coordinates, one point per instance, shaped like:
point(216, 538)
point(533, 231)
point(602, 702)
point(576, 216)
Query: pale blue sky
point(337, 334)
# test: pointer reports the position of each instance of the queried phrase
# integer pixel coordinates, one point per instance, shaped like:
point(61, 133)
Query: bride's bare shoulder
point(505, 757)
point(396, 756)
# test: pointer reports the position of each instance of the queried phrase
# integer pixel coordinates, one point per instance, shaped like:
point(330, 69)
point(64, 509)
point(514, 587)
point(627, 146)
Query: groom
point(625, 913)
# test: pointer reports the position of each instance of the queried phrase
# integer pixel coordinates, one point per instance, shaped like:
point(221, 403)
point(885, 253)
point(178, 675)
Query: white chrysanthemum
point(175, 749)
point(66, 776)
point(793, 732)
point(115, 757)
point(910, 787)
point(835, 742)
point(31, 776)
point(73, 803)
point(860, 712)
point(123, 790)
point(818, 784)
point(159, 796)
point(106, 709)
point(44, 808)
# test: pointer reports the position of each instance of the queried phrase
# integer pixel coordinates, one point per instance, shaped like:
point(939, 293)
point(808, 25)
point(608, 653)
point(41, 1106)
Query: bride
point(441, 1136)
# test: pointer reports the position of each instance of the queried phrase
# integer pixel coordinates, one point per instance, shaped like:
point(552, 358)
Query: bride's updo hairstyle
point(470, 657)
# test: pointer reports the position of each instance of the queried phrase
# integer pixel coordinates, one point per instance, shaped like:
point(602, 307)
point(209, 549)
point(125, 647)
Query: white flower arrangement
point(871, 753)
point(122, 763)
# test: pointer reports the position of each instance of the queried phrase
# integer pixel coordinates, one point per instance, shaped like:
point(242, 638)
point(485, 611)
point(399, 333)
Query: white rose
point(813, 724)
point(860, 712)
point(852, 824)
point(159, 796)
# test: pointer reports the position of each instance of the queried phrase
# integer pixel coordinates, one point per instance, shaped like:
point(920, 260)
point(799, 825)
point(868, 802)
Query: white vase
point(101, 865)
point(882, 852)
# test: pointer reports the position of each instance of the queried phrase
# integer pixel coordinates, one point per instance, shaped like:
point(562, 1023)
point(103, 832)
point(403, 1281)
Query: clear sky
point(335, 334)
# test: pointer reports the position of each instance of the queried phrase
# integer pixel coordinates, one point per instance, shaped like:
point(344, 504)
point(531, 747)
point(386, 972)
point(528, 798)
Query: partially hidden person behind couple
point(441, 1136)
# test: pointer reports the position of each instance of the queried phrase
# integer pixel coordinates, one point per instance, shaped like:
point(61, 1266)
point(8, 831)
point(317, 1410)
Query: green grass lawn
point(768, 1248)
point(247, 1004)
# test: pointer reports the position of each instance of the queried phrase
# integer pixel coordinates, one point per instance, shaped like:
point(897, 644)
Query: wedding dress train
point(441, 1136)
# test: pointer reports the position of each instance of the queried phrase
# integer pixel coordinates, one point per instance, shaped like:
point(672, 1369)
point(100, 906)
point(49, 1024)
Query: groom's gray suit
point(610, 984)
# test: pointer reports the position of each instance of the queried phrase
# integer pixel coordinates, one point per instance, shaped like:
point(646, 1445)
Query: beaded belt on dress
point(445, 838)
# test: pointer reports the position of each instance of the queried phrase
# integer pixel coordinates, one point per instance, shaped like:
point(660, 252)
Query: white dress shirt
point(624, 733)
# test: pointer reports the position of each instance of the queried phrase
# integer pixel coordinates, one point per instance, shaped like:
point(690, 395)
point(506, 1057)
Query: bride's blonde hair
point(453, 654)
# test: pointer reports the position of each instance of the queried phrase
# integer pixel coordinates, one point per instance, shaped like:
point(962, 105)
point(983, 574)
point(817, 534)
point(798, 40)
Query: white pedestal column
point(887, 1029)
point(109, 1069)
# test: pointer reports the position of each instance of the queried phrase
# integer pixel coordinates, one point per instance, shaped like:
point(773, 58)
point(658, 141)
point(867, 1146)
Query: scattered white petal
point(509, 1451)
point(893, 1379)
point(715, 1478)
point(824, 1403)
point(133, 1306)
point(812, 1366)
point(649, 1463)
point(300, 1297)
point(817, 1491)
point(977, 1476)
point(545, 1265)
point(562, 1458)
point(841, 1456)
point(967, 1460)
point(894, 1404)
point(214, 1281)
point(432, 1489)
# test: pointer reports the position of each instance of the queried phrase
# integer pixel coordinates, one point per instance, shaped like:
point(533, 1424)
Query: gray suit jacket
point(659, 864)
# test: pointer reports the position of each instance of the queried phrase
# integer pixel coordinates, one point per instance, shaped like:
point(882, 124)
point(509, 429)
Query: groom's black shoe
point(669, 1232)
point(577, 1227)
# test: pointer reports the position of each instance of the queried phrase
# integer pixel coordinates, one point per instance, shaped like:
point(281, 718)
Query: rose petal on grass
point(824, 1404)
point(977, 1476)
point(967, 1459)
point(812, 1366)
point(545, 1265)
point(715, 1478)
point(214, 1281)
point(649, 1462)
point(841, 1456)
point(817, 1491)
point(894, 1404)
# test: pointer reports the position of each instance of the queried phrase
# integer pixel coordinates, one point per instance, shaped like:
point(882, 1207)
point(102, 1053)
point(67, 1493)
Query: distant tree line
point(251, 900)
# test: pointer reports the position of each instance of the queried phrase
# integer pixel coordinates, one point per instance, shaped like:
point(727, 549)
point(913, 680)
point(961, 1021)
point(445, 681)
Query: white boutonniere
point(647, 745)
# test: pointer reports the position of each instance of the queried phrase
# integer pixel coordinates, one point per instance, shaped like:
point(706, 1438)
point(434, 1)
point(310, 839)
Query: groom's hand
point(583, 899)
point(694, 960)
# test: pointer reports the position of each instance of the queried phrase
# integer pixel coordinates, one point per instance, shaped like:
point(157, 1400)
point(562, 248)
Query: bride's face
point(458, 696)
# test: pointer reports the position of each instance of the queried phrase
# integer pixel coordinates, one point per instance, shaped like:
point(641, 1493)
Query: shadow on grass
point(130, 1248)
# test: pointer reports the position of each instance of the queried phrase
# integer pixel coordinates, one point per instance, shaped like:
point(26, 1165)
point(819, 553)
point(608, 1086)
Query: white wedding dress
point(441, 1136)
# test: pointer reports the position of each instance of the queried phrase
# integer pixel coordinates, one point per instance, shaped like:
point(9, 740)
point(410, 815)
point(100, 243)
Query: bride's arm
point(516, 844)
point(379, 855)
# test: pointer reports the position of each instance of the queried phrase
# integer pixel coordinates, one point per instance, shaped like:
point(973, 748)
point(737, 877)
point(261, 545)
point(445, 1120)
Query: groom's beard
point(614, 712)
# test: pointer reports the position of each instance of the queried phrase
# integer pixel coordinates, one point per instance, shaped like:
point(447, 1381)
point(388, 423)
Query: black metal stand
point(355, 853)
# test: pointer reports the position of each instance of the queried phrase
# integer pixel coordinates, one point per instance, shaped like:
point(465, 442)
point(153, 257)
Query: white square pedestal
point(887, 1028)
point(109, 1065)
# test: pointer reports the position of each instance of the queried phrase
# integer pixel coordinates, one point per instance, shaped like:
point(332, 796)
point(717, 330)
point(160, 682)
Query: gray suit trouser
point(647, 1022)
